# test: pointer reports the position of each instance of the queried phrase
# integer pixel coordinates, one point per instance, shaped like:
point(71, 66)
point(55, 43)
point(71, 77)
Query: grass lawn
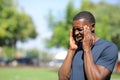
point(34, 74)
point(115, 76)
point(27, 74)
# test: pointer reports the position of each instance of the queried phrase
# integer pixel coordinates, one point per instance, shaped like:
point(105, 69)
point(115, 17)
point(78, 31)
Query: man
point(89, 57)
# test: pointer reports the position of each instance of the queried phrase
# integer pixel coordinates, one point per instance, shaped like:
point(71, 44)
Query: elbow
point(99, 77)
point(96, 78)
point(62, 75)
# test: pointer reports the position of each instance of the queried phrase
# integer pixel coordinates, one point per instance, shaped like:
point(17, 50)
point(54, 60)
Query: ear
point(93, 27)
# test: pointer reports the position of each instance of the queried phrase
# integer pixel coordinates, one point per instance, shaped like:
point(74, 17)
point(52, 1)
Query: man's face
point(78, 29)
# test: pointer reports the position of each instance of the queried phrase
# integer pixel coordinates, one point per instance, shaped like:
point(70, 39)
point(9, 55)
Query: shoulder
point(110, 45)
point(109, 54)
point(102, 43)
point(110, 48)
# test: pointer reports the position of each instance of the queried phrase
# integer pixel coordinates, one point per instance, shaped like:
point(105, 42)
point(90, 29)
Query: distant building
point(61, 55)
point(58, 60)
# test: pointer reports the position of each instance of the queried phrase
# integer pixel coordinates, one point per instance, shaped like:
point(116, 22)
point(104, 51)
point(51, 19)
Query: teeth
point(78, 36)
point(76, 39)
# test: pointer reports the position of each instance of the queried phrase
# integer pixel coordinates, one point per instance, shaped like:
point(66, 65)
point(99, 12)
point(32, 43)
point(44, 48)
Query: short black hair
point(85, 15)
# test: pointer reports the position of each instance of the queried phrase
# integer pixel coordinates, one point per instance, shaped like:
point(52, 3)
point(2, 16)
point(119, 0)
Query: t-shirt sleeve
point(108, 57)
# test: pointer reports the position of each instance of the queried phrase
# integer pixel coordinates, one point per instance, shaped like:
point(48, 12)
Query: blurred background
point(34, 34)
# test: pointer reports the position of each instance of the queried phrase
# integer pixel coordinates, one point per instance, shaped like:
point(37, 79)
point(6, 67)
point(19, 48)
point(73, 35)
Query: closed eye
point(79, 29)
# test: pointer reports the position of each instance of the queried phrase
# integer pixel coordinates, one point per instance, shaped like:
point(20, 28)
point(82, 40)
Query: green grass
point(115, 76)
point(35, 74)
point(27, 74)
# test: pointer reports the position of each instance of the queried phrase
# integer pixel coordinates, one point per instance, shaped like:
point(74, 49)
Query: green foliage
point(116, 39)
point(14, 25)
point(61, 28)
point(33, 53)
point(59, 38)
point(107, 22)
point(9, 51)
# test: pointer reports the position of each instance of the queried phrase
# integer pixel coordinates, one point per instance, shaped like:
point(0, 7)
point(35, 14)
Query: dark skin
point(92, 70)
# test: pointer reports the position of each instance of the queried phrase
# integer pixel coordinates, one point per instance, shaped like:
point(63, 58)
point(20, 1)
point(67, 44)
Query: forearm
point(91, 70)
point(65, 69)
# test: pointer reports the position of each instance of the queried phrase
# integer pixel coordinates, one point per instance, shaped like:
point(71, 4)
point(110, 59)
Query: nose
point(76, 32)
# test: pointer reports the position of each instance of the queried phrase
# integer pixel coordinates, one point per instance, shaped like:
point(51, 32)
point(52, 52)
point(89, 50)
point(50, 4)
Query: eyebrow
point(79, 29)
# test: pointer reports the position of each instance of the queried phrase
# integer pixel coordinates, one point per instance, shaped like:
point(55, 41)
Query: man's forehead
point(79, 22)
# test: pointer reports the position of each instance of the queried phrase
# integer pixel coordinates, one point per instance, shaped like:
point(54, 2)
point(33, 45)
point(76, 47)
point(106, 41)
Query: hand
point(88, 40)
point(72, 43)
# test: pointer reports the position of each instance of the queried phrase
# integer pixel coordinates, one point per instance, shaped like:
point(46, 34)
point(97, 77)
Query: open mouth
point(79, 38)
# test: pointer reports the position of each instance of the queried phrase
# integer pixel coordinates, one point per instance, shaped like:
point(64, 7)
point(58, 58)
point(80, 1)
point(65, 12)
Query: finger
point(71, 36)
point(86, 29)
point(71, 32)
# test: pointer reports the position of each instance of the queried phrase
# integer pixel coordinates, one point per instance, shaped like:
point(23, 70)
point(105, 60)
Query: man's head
point(79, 21)
point(85, 15)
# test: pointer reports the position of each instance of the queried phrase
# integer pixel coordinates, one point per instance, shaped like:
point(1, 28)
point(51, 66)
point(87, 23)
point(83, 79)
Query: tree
point(107, 22)
point(14, 25)
point(61, 28)
point(34, 53)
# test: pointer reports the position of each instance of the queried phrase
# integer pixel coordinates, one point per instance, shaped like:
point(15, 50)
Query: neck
point(96, 38)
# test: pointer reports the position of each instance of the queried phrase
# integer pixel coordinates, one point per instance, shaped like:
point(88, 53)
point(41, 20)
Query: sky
point(38, 10)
